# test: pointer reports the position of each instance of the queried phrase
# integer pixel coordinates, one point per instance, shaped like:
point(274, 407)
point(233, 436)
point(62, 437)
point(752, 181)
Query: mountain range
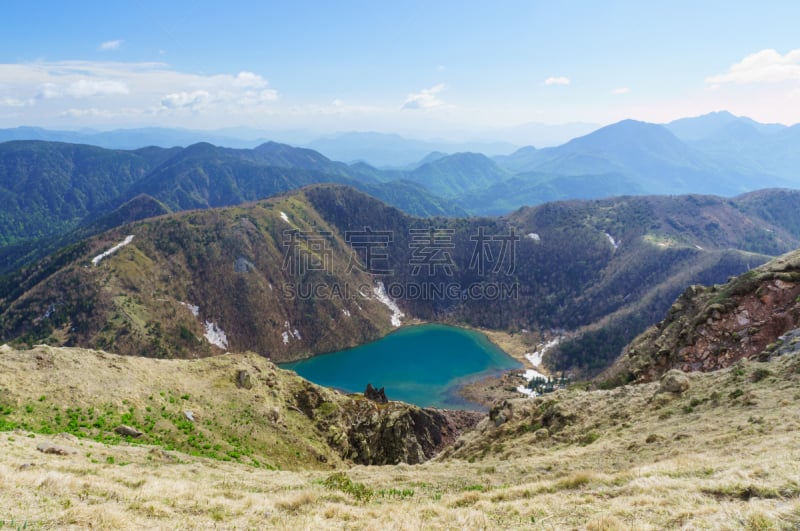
point(377, 149)
point(601, 270)
point(716, 154)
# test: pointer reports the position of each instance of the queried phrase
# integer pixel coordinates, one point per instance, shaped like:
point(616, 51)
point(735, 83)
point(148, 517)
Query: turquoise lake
point(423, 365)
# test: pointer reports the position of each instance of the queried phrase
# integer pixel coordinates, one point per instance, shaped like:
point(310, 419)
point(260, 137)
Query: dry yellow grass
point(731, 461)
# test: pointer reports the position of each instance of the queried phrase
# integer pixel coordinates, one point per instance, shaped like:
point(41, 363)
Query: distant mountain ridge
point(649, 154)
point(68, 185)
point(50, 188)
point(717, 153)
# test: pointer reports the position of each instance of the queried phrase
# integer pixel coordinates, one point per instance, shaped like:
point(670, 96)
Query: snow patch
point(215, 335)
point(296, 334)
point(535, 358)
point(530, 374)
point(533, 236)
point(698, 247)
point(117, 247)
point(381, 296)
point(192, 308)
point(612, 240)
point(285, 336)
point(346, 312)
point(525, 391)
point(284, 217)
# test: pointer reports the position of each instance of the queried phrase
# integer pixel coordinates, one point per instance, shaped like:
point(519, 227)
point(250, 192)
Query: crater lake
point(423, 365)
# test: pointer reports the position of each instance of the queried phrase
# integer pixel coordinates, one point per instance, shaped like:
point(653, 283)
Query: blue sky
point(427, 68)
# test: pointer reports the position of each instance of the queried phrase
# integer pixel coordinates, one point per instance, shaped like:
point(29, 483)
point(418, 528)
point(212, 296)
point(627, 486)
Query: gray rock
point(189, 416)
point(128, 431)
point(674, 381)
point(274, 415)
point(542, 433)
point(243, 265)
point(47, 448)
point(243, 380)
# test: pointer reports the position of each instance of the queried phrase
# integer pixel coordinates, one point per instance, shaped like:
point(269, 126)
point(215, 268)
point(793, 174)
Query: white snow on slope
point(533, 236)
point(535, 358)
point(284, 217)
point(215, 335)
point(381, 296)
point(612, 240)
point(117, 247)
point(192, 308)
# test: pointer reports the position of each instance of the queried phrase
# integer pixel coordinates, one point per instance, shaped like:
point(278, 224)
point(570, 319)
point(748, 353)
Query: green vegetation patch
point(341, 482)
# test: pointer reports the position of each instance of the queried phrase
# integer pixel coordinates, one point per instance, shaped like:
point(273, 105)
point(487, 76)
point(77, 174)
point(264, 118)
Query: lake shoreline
point(488, 390)
point(424, 363)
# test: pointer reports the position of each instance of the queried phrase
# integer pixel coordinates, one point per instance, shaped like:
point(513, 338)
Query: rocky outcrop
point(369, 433)
point(376, 395)
point(709, 328)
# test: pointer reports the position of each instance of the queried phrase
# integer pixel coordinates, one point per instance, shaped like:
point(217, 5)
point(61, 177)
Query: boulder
point(674, 381)
point(243, 380)
point(47, 448)
point(128, 431)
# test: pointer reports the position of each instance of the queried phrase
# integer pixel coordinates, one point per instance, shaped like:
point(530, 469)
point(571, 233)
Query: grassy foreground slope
point(235, 407)
point(721, 455)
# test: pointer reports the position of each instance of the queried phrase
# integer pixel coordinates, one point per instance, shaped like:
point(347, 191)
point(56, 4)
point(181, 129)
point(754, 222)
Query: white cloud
point(84, 88)
point(766, 66)
point(14, 102)
point(194, 100)
point(149, 92)
point(111, 45)
point(249, 80)
point(48, 90)
point(559, 80)
point(620, 91)
point(426, 99)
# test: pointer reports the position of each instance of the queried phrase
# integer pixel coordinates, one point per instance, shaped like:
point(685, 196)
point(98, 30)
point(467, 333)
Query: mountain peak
point(698, 127)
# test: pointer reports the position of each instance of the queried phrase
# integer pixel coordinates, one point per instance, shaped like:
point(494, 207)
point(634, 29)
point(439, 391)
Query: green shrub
point(341, 482)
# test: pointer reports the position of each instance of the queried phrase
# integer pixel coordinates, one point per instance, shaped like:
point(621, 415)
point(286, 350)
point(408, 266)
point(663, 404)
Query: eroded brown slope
point(709, 328)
